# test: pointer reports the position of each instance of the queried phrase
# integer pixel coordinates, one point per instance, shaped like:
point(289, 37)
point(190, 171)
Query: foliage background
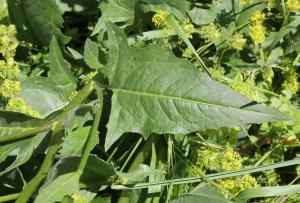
point(91, 97)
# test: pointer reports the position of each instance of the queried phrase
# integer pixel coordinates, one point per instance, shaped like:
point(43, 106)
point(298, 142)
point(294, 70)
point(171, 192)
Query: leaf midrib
point(168, 97)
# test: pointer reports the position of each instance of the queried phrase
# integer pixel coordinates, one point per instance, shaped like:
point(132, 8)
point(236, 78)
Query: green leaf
point(95, 173)
point(75, 142)
point(178, 8)
point(275, 37)
point(50, 94)
point(117, 11)
point(92, 54)
point(202, 194)
point(56, 190)
point(140, 173)
point(219, 11)
point(10, 124)
point(37, 20)
point(247, 11)
point(155, 92)
point(268, 192)
point(22, 150)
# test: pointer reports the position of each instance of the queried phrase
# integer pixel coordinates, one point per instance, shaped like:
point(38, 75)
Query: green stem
point(7, 198)
point(77, 100)
point(131, 153)
point(25, 134)
point(31, 187)
point(93, 136)
point(57, 137)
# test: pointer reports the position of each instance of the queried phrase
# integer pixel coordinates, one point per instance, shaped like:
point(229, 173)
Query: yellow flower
point(257, 18)
point(230, 160)
point(77, 198)
point(210, 32)
point(10, 88)
point(159, 19)
point(18, 104)
point(237, 185)
point(258, 34)
point(246, 2)
point(188, 28)
point(293, 5)
point(237, 41)
point(8, 71)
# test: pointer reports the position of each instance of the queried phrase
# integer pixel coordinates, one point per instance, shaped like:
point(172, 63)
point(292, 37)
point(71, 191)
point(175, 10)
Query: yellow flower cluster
point(9, 87)
point(18, 104)
point(210, 33)
point(159, 19)
point(291, 83)
point(246, 2)
point(237, 185)
point(188, 28)
point(247, 88)
point(293, 5)
point(237, 41)
point(216, 160)
point(77, 198)
point(257, 30)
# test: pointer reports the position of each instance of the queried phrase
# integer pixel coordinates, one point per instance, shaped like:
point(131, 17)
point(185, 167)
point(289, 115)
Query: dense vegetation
point(149, 101)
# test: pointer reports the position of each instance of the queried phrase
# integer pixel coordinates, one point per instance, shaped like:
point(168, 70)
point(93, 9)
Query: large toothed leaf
point(155, 92)
point(37, 20)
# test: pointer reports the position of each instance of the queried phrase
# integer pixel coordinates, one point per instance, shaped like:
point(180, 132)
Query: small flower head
point(10, 88)
point(237, 185)
point(77, 198)
point(8, 69)
point(257, 18)
point(188, 28)
point(210, 32)
point(258, 34)
point(237, 41)
point(18, 104)
point(246, 2)
point(159, 19)
point(230, 160)
point(293, 5)
point(187, 53)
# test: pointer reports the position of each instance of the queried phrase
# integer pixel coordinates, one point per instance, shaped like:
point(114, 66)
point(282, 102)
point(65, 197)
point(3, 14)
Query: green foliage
point(149, 101)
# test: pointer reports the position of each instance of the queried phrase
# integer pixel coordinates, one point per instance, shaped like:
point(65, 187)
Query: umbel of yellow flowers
point(257, 30)
point(9, 86)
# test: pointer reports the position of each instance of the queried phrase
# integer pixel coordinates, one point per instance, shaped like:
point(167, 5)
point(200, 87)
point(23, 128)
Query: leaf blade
point(155, 92)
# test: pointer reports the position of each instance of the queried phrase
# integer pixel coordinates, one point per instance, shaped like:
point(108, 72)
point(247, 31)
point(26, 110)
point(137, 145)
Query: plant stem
point(25, 134)
point(131, 153)
point(31, 187)
point(77, 100)
point(93, 136)
point(7, 198)
point(57, 136)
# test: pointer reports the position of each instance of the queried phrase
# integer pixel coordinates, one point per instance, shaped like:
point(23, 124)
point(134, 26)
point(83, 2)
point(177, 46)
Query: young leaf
point(56, 190)
point(121, 11)
point(92, 54)
point(37, 20)
point(47, 95)
point(75, 142)
point(155, 92)
point(200, 194)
